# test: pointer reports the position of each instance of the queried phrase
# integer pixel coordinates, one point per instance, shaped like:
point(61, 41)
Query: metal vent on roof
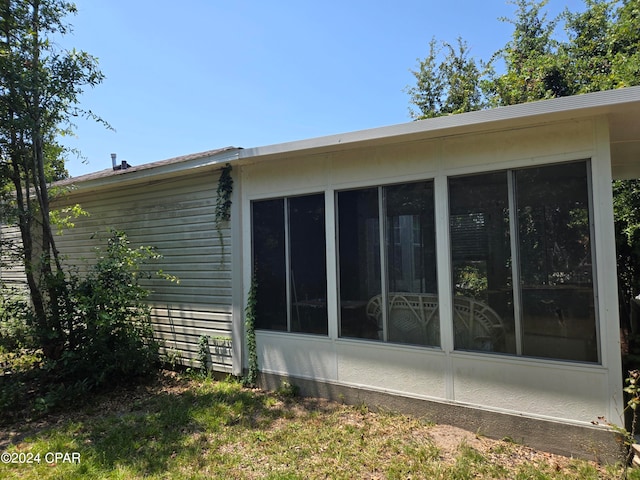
point(123, 165)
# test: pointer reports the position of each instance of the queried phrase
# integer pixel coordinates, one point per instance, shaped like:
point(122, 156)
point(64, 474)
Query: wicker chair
point(476, 326)
point(414, 318)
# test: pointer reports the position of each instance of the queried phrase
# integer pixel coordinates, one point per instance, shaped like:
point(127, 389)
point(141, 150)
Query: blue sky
point(189, 76)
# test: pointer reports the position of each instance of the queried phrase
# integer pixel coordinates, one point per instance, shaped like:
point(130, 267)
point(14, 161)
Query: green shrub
point(98, 332)
point(15, 332)
point(109, 335)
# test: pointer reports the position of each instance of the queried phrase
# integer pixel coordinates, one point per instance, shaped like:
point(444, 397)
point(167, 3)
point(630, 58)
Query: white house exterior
point(461, 267)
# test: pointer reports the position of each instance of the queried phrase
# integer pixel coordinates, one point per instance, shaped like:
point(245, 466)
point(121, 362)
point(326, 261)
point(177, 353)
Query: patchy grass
point(190, 428)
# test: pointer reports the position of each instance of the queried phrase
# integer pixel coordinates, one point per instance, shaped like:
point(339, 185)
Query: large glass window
point(386, 251)
point(532, 224)
point(359, 257)
point(556, 275)
point(481, 263)
point(269, 254)
point(289, 255)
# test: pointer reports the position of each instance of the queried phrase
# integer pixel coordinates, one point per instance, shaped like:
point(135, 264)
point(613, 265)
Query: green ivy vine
point(223, 201)
point(204, 355)
point(250, 324)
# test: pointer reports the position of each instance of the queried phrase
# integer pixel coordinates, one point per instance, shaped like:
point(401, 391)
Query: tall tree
point(40, 86)
point(533, 68)
point(600, 51)
point(447, 86)
point(603, 45)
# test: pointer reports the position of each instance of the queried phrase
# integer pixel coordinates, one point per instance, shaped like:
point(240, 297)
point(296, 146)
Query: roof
point(621, 107)
point(167, 166)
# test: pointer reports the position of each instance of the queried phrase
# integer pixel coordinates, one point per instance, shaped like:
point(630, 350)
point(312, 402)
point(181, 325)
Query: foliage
point(250, 324)
point(288, 390)
point(15, 333)
point(193, 427)
point(103, 336)
point(628, 435)
point(204, 355)
point(63, 219)
point(600, 50)
point(446, 87)
point(626, 199)
point(534, 71)
point(633, 394)
point(108, 334)
point(223, 203)
point(223, 199)
point(471, 282)
point(603, 45)
point(40, 88)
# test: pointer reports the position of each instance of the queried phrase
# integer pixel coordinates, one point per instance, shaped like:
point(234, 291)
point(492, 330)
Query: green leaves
point(40, 88)
point(223, 197)
point(250, 325)
point(599, 51)
point(447, 86)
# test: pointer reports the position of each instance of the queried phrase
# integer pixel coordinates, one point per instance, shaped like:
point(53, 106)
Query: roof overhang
point(169, 168)
point(620, 107)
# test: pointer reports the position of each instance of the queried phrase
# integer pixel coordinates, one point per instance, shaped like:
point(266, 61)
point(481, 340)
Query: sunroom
point(532, 224)
point(463, 261)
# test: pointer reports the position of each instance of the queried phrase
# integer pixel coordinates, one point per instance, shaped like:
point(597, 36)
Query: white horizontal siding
point(177, 218)
point(12, 273)
point(181, 336)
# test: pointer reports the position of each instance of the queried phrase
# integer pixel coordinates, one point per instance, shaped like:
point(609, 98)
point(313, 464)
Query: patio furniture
point(414, 318)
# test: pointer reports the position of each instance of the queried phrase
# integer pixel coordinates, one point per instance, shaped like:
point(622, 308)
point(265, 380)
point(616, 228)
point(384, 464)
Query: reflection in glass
point(556, 262)
point(481, 263)
point(554, 316)
point(289, 250)
point(408, 273)
point(411, 264)
point(359, 256)
point(269, 263)
point(308, 271)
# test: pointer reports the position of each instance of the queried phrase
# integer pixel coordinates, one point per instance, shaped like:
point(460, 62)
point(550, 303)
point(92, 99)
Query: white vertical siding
point(177, 217)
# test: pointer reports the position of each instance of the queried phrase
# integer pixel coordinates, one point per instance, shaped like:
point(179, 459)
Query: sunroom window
point(481, 263)
point(387, 264)
point(290, 264)
point(534, 225)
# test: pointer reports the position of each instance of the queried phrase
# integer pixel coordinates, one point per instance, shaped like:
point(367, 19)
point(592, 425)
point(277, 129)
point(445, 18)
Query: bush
point(97, 332)
point(110, 340)
point(15, 332)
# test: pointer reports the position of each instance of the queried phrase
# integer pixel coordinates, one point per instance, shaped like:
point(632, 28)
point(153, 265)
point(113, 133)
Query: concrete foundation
point(597, 443)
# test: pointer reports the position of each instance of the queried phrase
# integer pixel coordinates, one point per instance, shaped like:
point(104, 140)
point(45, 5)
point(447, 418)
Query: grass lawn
point(190, 428)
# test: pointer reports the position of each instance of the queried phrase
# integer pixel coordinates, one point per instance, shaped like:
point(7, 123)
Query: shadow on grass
point(164, 429)
point(160, 428)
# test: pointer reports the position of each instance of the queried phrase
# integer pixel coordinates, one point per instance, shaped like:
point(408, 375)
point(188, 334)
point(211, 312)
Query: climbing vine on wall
point(223, 203)
point(225, 189)
point(250, 324)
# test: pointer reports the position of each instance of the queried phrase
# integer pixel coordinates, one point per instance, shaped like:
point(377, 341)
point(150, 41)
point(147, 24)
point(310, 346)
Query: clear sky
point(194, 75)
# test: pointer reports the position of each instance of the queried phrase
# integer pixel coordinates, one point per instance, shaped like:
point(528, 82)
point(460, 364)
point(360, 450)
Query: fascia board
point(156, 171)
point(514, 116)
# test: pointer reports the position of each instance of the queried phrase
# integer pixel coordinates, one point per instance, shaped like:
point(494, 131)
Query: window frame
point(516, 260)
point(287, 259)
point(384, 236)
